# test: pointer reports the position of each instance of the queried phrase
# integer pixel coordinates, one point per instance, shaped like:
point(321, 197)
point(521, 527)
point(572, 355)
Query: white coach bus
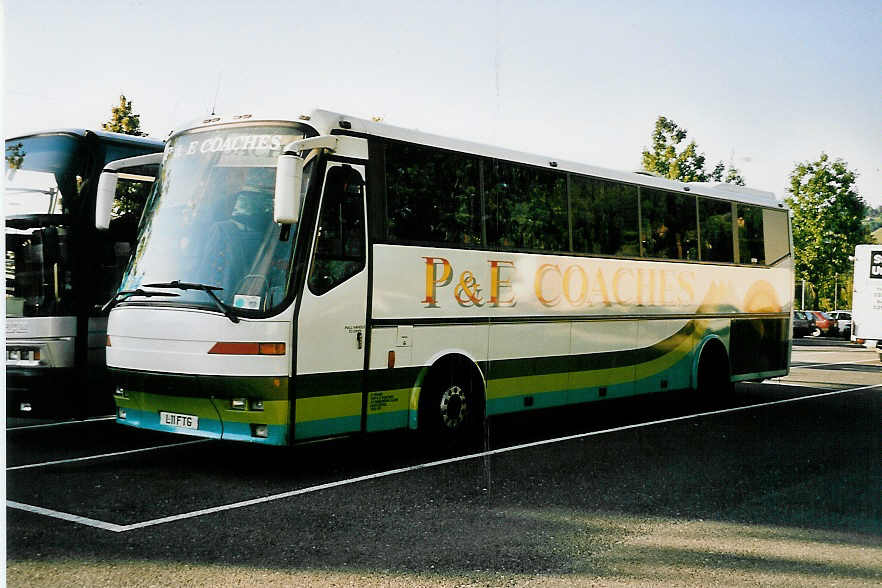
point(392, 279)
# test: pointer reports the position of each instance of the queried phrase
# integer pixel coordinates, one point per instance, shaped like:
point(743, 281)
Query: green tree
point(728, 175)
point(685, 165)
point(827, 222)
point(130, 195)
point(874, 218)
point(124, 120)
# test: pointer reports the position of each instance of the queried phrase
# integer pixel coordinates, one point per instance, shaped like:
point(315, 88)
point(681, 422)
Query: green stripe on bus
point(200, 386)
point(656, 358)
point(675, 370)
point(328, 407)
point(384, 401)
point(275, 412)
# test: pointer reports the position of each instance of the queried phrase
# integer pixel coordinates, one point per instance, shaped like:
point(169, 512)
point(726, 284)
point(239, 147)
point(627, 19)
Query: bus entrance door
point(331, 323)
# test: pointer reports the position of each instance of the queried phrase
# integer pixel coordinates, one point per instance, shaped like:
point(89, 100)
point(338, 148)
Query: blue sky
point(758, 84)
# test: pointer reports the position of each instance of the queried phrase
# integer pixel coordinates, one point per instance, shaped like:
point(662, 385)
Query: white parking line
point(66, 516)
point(45, 425)
point(813, 365)
point(225, 507)
point(103, 455)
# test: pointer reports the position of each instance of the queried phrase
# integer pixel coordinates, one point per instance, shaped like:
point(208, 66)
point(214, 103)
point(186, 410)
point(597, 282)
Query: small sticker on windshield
point(248, 302)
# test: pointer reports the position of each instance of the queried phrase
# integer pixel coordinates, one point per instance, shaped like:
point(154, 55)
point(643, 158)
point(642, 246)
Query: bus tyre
point(450, 412)
point(714, 376)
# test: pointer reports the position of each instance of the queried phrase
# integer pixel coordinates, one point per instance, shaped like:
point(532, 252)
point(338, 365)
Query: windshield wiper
point(205, 288)
point(126, 294)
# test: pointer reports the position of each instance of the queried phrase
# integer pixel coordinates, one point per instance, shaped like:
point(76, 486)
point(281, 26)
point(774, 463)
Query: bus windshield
point(43, 174)
point(43, 177)
point(209, 219)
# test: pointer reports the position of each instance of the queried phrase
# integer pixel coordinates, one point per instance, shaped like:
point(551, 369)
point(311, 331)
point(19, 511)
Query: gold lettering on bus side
point(538, 283)
point(686, 280)
point(468, 286)
point(599, 288)
point(568, 286)
point(646, 287)
point(497, 282)
point(616, 285)
point(432, 279)
point(664, 288)
point(667, 288)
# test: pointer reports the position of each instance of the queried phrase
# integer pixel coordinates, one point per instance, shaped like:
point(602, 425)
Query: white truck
point(867, 295)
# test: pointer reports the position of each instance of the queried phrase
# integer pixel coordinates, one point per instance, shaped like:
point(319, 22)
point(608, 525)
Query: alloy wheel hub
point(453, 407)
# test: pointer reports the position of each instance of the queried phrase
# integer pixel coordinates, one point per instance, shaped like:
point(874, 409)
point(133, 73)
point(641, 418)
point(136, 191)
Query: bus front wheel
point(451, 412)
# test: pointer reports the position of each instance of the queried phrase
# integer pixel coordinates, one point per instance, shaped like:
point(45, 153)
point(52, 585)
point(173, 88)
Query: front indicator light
point(25, 407)
point(260, 431)
point(121, 392)
point(121, 413)
point(238, 403)
point(257, 405)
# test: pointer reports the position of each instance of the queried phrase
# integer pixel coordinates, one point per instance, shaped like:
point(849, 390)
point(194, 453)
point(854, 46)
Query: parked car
point(802, 325)
point(843, 323)
point(824, 323)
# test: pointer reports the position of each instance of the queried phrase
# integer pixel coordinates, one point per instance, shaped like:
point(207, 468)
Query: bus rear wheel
point(450, 413)
point(714, 374)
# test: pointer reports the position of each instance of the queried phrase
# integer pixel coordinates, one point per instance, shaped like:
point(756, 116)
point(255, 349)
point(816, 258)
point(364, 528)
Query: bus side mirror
point(104, 199)
point(289, 176)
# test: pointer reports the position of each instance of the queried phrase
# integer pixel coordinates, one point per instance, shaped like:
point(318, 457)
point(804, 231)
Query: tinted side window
point(669, 226)
point(750, 234)
point(432, 195)
point(339, 247)
point(604, 217)
point(526, 208)
point(715, 218)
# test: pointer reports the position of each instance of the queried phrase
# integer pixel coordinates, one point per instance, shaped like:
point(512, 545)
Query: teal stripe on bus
point(387, 421)
point(327, 427)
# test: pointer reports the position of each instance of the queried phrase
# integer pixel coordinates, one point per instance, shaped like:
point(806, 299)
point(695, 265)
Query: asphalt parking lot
point(779, 484)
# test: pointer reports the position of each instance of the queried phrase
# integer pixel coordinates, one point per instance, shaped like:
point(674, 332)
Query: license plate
point(182, 421)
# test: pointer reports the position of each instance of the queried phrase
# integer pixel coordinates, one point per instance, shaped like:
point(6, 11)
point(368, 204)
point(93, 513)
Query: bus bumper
point(254, 410)
point(130, 414)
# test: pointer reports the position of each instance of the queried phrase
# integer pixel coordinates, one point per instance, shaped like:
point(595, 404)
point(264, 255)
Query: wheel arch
point(441, 361)
point(708, 342)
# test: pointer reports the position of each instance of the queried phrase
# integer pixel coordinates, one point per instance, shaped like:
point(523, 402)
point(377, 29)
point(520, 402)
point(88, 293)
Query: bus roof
point(328, 122)
point(101, 134)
